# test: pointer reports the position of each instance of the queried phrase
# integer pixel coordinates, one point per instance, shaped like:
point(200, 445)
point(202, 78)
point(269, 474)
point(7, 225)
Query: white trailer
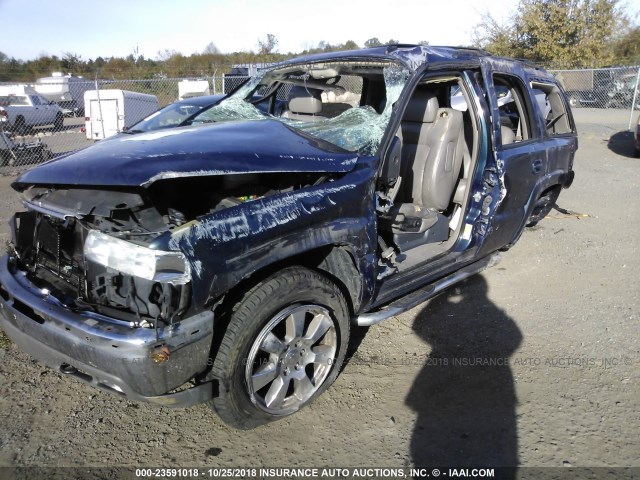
point(17, 89)
point(66, 90)
point(108, 112)
point(192, 88)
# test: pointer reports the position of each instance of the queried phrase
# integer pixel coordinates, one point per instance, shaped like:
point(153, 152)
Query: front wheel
point(59, 121)
point(284, 344)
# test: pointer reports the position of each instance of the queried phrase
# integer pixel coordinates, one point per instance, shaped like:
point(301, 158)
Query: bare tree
point(267, 45)
point(211, 49)
point(497, 37)
point(166, 54)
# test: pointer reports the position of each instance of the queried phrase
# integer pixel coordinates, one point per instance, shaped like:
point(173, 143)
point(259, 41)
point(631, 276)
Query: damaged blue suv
point(227, 260)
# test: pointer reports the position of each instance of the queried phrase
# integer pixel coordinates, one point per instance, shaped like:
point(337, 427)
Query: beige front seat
point(432, 154)
point(305, 105)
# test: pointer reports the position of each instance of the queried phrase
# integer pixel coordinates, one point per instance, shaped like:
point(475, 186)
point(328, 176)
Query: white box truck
point(108, 112)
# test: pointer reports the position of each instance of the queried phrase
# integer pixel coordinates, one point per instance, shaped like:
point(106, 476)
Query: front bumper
point(138, 363)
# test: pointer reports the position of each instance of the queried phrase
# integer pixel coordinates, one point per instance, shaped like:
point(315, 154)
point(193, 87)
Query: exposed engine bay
point(93, 250)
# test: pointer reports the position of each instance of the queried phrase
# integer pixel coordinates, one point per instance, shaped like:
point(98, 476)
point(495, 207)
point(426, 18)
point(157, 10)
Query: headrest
point(305, 100)
point(423, 107)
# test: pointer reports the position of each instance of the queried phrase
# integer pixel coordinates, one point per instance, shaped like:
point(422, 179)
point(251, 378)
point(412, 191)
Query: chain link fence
point(601, 87)
point(49, 118)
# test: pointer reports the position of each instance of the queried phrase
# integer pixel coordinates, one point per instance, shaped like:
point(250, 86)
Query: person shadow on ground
point(464, 396)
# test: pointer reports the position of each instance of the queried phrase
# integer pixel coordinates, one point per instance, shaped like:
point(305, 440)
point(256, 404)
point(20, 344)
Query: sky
point(118, 28)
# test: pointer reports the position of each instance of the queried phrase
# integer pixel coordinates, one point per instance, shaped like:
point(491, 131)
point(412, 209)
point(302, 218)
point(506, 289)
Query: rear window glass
point(7, 100)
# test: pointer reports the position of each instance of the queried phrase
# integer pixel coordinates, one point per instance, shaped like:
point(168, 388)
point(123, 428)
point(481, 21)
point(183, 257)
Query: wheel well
point(552, 189)
point(336, 262)
point(339, 265)
point(542, 206)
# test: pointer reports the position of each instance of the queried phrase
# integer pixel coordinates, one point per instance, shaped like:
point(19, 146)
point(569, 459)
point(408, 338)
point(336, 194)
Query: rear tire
point(543, 206)
point(284, 344)
point(44, 155)
point(20, 127)
point(574, 101)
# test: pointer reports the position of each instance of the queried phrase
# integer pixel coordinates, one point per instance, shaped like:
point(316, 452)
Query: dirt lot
point(561, 311)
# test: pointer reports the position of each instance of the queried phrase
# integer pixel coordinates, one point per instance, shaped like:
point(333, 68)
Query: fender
point(225, 247)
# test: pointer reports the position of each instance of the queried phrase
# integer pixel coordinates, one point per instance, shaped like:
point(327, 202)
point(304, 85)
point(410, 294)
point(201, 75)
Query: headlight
point(136, 260)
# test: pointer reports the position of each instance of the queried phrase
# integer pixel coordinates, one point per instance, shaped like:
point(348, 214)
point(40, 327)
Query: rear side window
point(553, 108)
point(515, 117)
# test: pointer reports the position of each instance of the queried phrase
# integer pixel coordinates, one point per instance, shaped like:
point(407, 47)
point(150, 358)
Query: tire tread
point(242, 319)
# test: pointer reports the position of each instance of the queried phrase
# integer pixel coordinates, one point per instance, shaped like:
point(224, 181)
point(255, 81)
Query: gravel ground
point(532, 363)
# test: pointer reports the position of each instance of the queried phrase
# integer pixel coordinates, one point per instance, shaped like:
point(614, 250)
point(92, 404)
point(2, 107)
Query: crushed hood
point(257, 146)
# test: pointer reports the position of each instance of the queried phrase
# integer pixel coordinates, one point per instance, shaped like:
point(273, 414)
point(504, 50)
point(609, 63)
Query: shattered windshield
point(346, 103)
point(170, 116)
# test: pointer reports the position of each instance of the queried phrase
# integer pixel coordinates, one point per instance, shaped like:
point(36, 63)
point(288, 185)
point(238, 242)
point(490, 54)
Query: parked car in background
point(228, 262)
point(602, 88)
point(623, 92)
point(21, 108)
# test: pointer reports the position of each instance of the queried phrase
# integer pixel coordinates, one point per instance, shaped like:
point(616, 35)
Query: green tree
point(43, 66)
point(6, 70)
point(373, 42)
point(71, 62)
point(117, 68)
point(627, 48)
point(350, 45)
point(555, 32)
